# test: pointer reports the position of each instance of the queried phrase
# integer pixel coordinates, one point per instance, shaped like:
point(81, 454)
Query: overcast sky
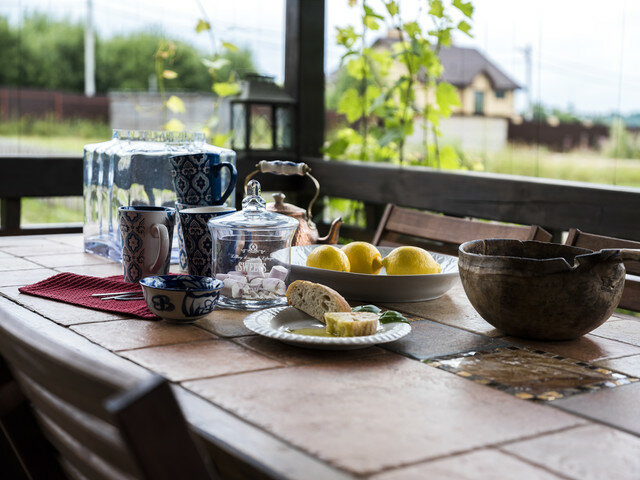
point(586, 53)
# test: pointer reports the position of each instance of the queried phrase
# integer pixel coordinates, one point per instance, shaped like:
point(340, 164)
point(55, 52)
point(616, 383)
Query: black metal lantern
point(262, 116)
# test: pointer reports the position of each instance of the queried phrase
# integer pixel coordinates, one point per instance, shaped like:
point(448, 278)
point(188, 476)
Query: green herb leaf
point(367, 308)
point(391, 316)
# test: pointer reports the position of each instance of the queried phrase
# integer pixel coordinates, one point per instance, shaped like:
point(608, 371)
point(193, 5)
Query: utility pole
point(528, 74)
point(89, 53)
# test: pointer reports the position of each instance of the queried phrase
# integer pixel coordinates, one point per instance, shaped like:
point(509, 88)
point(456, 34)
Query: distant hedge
point(47, 53)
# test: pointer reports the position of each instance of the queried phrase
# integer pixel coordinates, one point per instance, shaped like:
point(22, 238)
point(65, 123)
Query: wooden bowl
point(538, 290)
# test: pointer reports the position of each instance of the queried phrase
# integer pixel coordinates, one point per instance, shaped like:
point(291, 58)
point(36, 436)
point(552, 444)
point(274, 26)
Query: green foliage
point(45, 53)
point(622, 144)
point(376, 88)
point(51, 127)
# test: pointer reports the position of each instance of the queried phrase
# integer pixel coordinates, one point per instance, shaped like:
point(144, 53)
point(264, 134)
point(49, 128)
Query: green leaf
point(220, 139)
point(226, 89)
point(337, 147)
point(229, 46)
point(446, 97)
point(350, 105)
point(216, 64)
point(412, 28)
point(436, 8)
point(202, 26)
point(358, 68)
point(465, 27)
point(367, 308)
point(370, 12)
point(449, 158)
point(174, 125)
point(392, 8)
point(175, 104)
point(346, 36)
point(391, 316)
point(370, 22)
point(444, 37)
point(465, 7)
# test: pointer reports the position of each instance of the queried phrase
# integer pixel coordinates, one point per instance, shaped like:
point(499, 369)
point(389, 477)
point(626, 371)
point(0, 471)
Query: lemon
point(363, 257)
point(329, 258)
point(410, 261)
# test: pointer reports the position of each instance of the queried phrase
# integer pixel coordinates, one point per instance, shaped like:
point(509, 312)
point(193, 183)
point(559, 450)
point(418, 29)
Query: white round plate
point(274, 323)
point(374, 288)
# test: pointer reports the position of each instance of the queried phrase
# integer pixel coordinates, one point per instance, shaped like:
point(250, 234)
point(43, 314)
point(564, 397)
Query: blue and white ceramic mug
point(146, 233)
point(196, 237)
point(198, 178)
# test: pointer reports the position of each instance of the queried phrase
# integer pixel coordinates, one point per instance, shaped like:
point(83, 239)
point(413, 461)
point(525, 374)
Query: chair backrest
point(631, 295)
point(440, 233)
point(104, 423)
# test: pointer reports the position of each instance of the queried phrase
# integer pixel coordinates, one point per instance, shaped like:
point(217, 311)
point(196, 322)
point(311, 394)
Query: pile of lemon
point(362, 257)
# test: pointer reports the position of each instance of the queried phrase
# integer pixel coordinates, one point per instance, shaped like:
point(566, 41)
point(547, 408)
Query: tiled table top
point(411, 410)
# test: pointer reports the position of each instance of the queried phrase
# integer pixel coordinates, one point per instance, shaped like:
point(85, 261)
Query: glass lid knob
point(253, 201)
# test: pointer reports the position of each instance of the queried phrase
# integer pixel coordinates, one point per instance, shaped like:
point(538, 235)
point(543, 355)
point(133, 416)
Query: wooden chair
point(439, 233)
point(101, 423)
point(631, 295)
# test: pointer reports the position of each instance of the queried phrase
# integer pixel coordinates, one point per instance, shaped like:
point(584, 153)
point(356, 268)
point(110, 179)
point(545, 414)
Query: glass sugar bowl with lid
point(242, 246)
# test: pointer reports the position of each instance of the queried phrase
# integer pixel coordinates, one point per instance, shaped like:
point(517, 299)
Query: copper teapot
point(307, 232)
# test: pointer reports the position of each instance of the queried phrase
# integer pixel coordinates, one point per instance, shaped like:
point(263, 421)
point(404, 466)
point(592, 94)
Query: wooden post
point(10, 213)
point(304, 72)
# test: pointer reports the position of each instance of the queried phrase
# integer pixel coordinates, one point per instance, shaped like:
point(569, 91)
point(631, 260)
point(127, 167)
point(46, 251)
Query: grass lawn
point(581, 166)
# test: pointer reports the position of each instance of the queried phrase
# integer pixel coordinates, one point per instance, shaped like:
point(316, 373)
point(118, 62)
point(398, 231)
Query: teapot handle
point(279, 167)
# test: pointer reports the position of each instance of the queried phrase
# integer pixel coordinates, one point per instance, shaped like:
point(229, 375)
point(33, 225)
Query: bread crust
point(315, 299)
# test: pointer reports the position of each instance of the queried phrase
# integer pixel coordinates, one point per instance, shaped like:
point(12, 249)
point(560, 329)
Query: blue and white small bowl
point(181, 298)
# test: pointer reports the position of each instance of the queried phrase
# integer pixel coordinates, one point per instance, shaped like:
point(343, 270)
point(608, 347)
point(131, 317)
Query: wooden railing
point(553, 204)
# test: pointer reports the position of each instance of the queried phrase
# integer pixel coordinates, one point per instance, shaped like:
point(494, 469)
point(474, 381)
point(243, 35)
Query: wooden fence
point(19, 102)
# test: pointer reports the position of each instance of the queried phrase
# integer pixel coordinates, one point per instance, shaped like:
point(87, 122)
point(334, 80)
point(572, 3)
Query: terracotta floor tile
point(103, 270)
point(588, 348)
point(481, 464)
point(20, 241)
point(59, 312)
point(47, 248)
point(590, 452)
point(628, 365)
point(187, 361)
point(25, 277)
point(377, 412)
point(67, 260)
point(298, 356)
point(16, 263)
point(226, 323)
point(619, 406)
point(128, 334)
point(453, 309)
point(627, 331)
point(431, 339)
point(73, 239)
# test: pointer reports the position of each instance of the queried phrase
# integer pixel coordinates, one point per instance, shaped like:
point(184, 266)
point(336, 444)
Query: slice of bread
point(351, 324)
point(315, 299)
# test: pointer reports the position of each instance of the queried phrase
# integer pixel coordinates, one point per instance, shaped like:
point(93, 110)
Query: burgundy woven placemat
point(77, 289)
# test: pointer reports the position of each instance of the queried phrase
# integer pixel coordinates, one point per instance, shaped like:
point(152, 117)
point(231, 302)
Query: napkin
point(77, 289)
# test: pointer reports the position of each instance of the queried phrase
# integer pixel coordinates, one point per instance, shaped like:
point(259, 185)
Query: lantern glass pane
point(238, 140)
point(283, 132)
point(261, 128)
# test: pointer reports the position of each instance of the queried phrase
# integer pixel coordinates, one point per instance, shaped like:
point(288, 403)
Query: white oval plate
point(374, 288)
point(274, 322)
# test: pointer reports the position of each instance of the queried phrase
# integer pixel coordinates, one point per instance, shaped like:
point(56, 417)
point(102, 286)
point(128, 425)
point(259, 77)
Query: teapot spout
point(334, 232)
